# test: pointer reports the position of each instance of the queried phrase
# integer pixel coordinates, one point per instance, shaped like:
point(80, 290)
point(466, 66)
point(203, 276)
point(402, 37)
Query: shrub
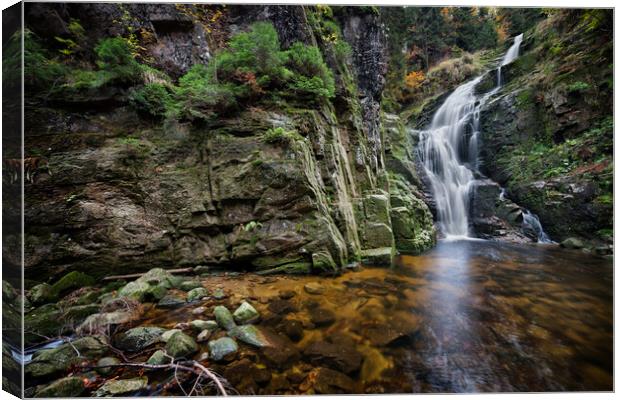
point(281, 136)
point(115, 57)
point(256, 52)
point(414, 79)
point(152, 99)
point(198, 98)
point(311, 74)
point(577, 87)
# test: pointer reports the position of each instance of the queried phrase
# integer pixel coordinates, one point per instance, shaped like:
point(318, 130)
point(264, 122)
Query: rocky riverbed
point(461, 318)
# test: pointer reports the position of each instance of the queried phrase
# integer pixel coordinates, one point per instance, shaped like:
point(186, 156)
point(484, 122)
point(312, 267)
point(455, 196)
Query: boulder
point(246, 314)
point(327, 381)
point(220, 348)
point(41, 294)
point(151, 286)
point(59, 360)
point(100, 322)
point(293, 329)
point(281, 307)
point(122, 387)
point(73, 280)
point(105, 366)
point(138, 339)
point(189, 285)
point(197, 294)
point(181, 345)
point(8, 292)
point(158, 358)
point(64, 388)
point(44, 321)
point(200, 325)
point(204, 336)
point(341, 357)
point(322, 317)
point(168, 334)
point(250, 334)
point(171, 301)
point(223, 317)
point(572, 243)
point(314, 288)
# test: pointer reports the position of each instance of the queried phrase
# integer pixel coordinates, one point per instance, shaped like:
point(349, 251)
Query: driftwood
point(131, 276)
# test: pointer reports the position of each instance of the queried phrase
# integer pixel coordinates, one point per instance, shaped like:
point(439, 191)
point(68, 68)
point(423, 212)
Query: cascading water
point(444, 153)
point(531, 221)
point(449, 151)
point(510, 56)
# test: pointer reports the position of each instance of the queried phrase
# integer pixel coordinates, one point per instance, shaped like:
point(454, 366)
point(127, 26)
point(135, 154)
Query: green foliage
point(281, 136)
point(197, 98)
point(252, 225)
point(312, 76)
point(114, 56)
point(152, 99)
point(577, 87)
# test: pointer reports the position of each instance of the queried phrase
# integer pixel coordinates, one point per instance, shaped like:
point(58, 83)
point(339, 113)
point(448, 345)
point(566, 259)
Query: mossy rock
point(73, 280)
point(42, 294)
point(122, 387)
point(60, 359)
point(45, 321)
point(138, 339)
point(64, 388)
point(181, 345)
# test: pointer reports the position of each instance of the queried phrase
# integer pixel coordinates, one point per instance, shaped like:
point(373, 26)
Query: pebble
point(314, 288)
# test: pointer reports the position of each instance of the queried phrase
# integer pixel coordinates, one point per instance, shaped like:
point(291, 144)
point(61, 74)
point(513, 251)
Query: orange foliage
point(414, 79)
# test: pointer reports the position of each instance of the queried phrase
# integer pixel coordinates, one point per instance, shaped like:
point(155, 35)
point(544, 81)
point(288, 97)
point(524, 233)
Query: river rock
point(42, 294)
point(122, 387)
point(200, 325)
point(197, 294)
point(43, 321)
point(282, 355)
point(338, 356)
point(181, 345)
point(287, 294)
point(199, 310)
point(168, 334)
point(327, 381)
point(105, 366)
point(322, 317)
point(151, 286)
point(250, 334)
point(223, 317)
point(98, 323)
point(219, 294)
point(8, 292)
point(73, 280)
point(64, 387)
point(204, 336)
point(138, 339)
point(246, 314)
point(314, 288)
point(171, 301)
point(281, 307)
point(220, 348)
point(158, 358)
point(52, 361)
point(293, 329)
point(572, 243)
point(190, 285)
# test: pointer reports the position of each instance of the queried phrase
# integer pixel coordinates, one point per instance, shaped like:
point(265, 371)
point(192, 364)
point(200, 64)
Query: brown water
point(468, 316)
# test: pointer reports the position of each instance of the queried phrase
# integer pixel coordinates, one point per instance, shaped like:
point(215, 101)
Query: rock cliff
point(122, 193)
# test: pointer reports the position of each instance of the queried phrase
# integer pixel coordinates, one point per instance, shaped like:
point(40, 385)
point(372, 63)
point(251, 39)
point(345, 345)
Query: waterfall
point(531, 221)
point(449, 151)
point(510, 56)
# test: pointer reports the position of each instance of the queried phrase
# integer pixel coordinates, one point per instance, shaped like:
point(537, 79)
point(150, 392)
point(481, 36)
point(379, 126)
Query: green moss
point(73, 280)
point(281, 136)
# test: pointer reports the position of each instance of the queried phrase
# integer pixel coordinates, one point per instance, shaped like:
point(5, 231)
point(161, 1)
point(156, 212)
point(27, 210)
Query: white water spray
point(510, 56)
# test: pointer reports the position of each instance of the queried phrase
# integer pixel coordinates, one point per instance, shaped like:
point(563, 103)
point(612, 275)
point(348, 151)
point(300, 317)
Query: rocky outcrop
point(541, 129)
point(124, 193)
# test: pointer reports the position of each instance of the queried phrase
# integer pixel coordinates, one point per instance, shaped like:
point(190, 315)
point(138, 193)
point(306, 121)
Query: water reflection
point(468, 316)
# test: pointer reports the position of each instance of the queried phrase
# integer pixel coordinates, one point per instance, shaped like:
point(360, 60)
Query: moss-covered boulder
point(106, 365)
point(197, 294)
point(223, 317)
point(122, 387)
point(181, 345)
point(60, 359)
point(138, 339)
point(73, 280)
point(42, 294)
point(220, 348)
point(246, 314)
point(65, 387)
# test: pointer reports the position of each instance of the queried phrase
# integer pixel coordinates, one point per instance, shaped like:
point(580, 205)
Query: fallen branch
point(188, 366)
point(131, 276)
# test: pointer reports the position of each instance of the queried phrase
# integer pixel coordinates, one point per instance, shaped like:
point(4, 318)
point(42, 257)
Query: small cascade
point(531, 221)
point(510, 56)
